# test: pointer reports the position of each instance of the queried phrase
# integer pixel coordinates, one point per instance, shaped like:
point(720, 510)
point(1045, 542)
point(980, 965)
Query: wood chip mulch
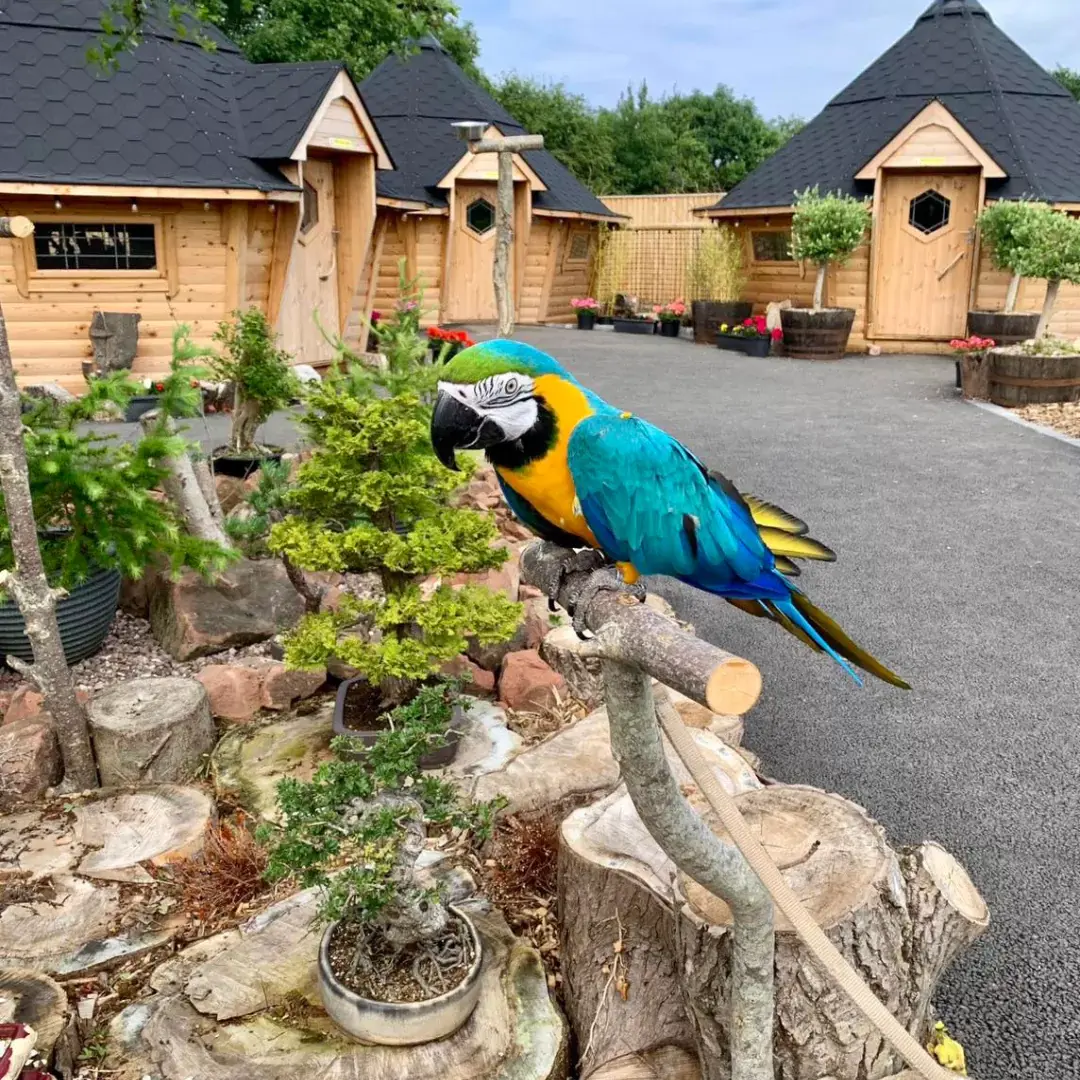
point(1061, 416)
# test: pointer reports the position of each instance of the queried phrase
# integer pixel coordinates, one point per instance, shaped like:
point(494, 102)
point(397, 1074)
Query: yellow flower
point(723, 328)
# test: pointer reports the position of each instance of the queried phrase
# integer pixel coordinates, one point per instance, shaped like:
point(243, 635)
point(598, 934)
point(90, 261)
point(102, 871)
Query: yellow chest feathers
point(546, 482)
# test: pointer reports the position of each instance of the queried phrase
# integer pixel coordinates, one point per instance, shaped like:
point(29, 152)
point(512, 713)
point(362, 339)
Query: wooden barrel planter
point(1004, 327)
point(1016, 379)
point(816, 335)
point(710, 315)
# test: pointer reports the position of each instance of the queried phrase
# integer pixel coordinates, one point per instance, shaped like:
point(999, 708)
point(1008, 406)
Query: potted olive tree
point(1006, 228)
point(262, 381)
point(716, 276)
point(398, 965)
point(826, 229)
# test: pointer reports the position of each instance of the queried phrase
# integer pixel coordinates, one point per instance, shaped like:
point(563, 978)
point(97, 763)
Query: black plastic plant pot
point(604, 320)
point(748, 346)
point(634, 326)
point(436, 758)
point(669, 328)
point(227, 463)
point(710, 315)
point(84, 616)
point(138, 406)
point(586, 320)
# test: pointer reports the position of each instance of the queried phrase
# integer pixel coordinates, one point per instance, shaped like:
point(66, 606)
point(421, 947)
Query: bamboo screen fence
point(648, 257)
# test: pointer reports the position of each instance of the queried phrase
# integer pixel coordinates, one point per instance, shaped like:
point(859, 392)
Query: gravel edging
point(1008, 414)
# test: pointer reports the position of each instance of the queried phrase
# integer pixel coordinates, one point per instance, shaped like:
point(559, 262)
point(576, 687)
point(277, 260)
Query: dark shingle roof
point(955, 54)
point(174, 114)
point(413, 99)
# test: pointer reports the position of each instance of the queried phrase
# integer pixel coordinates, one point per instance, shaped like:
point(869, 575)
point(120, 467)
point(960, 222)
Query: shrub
point(1053, 254)
point(717, 269)
point(1007, 229)
point(825, 229)
point(258, 369)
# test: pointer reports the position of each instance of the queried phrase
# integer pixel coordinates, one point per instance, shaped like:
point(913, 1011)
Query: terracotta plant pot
point(1004, 327)
point(400, 1024)
point(710, 315)
point(586, 320)
point(669, 328)
point(816, 335)
point(749, 346)
point(436, 758)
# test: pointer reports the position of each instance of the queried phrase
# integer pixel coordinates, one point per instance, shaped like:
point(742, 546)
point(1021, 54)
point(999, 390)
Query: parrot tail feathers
point(827, 634)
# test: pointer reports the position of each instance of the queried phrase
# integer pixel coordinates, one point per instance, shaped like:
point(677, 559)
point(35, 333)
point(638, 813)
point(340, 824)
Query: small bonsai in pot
point(752, 336)
point(825, 230)
point(1053, 254)
point(397, 964)
point(586, 309)
point(670, 317)
point(263, 382)
point(1007, 228)
point(716, 276)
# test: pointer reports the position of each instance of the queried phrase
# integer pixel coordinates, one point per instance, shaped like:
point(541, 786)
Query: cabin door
point(311, 289)
point(925, 240)
point(470, 293)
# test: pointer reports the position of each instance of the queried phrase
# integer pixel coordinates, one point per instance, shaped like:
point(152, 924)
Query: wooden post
point(28, 584)
point(504, 239)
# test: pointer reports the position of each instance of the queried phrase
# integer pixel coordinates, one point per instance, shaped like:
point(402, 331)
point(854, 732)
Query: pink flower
point(777, 334)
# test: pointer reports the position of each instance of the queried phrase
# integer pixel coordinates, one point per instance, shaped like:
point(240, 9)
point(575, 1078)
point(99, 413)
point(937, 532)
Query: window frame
point(753, 230)
point(475, 201)
point(571, 261)
point(100, 217)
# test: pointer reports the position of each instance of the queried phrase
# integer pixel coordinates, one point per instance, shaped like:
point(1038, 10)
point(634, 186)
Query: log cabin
point(955, 115)
point(190, 183)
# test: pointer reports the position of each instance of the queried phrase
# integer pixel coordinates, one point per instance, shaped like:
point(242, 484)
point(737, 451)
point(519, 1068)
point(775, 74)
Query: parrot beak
point(455, 426)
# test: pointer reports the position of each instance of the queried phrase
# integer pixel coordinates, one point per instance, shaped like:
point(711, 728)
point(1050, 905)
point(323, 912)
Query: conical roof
point(1020, 115)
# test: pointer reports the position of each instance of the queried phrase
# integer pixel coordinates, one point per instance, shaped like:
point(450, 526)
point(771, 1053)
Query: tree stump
point(900, 919)
point(31, 998)
point(155, 730)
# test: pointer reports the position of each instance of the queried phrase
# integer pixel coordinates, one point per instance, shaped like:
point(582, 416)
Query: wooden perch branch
point(15, 228)
point(636, 635)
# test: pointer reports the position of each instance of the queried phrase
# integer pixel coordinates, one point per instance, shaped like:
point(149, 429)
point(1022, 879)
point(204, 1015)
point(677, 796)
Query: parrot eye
point(511, 385)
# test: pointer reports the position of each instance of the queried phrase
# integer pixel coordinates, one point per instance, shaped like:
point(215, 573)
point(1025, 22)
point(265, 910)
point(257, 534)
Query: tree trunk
point(183, 488)
point(900, 919)
point(1049, 303)
point(504, 238)
point(205, 479)
point(245, 424)
point(28, 585)
point(1010, 296)
point(819, 285)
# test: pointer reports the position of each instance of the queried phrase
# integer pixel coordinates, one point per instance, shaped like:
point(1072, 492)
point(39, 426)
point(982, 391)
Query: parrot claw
point(606, 579)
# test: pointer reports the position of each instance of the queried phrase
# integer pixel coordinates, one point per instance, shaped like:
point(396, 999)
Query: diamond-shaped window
point(480, 216)
point(929, 212)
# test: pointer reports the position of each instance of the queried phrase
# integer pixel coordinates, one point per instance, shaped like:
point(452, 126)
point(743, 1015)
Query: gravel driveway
point(958, 537)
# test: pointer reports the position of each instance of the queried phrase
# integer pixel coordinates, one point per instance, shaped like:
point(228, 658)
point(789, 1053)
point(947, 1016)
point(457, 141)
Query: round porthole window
point(929, 212)
point(480, 216)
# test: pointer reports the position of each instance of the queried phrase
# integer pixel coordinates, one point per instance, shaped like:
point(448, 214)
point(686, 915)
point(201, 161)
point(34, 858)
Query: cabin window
point(771, 245)
point(480, 216)
point(578, 251)
point(69, 245)
point(929, 212)
point(310, 216)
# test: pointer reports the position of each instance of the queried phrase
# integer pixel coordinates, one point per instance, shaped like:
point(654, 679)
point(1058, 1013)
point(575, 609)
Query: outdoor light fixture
point(134, 207)
point(470, 130)
point(58, 204)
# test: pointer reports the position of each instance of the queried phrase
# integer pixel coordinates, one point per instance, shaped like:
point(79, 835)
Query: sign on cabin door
point(925, 246)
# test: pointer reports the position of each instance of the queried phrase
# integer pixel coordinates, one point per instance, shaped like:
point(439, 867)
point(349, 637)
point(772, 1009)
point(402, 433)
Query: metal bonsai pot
point(634, 326)
point(816, 335)
point(84, 616)
point(750, 346)
point(1005, 327)
point(669, 328)
point(400, 1024)
point(436, 758)
point(138, 406)
point(710, 315)
point(586, 320)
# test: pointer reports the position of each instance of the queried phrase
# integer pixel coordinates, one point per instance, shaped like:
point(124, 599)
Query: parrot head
point(488, 397)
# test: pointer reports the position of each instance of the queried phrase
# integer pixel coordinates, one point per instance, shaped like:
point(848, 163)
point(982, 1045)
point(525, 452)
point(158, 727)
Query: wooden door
point(311, 288)
point(470, 293)
point(925, 244)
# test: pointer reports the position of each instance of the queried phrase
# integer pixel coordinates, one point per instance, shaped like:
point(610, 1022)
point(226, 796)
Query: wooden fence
point(648, 257)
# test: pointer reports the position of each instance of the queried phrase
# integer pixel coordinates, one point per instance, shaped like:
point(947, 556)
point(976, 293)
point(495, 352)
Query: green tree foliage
point(691, 142)
point(1008, 228)
point(375, 498)
point(1055, 256)
point(1069, 79)
point(825, 229)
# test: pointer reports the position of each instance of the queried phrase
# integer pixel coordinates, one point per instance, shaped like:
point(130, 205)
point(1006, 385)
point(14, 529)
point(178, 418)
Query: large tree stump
point(151, 730)
point(899, 919)
point(31, 998)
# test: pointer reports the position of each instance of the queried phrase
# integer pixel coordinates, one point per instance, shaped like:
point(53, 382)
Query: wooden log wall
point(533, 304)
point(420, 239)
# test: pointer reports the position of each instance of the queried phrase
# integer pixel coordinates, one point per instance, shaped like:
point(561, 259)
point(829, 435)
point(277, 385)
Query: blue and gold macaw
point(579, 472)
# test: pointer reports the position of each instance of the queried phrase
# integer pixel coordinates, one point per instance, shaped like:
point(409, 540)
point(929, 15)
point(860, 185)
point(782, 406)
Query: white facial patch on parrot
point(507, 399)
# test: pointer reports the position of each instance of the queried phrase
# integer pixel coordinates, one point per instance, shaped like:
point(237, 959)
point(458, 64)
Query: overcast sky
point(790, 56)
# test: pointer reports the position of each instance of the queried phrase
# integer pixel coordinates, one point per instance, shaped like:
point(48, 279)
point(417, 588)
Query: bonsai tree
point(259, 371)
point(1008, 228)
point(1054, 254)
point(374, 497)
point(717, 269)
point(827, 229)
point(355, 831)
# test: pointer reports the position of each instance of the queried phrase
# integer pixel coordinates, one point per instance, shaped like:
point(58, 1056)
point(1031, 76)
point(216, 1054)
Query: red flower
point(777, 334)
point(748, 322)
point(159, 387)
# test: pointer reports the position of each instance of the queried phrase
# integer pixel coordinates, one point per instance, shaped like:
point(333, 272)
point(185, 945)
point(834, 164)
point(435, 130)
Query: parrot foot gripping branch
point(635, 643)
